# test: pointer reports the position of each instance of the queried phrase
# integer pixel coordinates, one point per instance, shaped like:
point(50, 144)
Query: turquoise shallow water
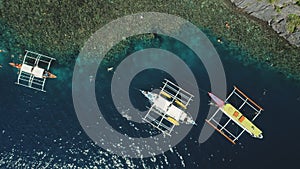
point(41, 129)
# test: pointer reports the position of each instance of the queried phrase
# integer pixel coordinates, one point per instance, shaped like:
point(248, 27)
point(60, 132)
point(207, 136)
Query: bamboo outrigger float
point(34, 70)
point(236, 116)
point(168, 108)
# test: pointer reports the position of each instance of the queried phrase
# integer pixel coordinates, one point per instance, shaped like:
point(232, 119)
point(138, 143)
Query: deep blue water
point(41, 129)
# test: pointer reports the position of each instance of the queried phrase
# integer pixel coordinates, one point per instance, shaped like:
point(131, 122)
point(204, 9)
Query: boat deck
point(241, 120)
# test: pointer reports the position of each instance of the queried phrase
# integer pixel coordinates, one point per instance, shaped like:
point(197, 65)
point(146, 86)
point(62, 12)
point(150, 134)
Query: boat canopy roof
point(26, 68)
point(38, 72)
point(162, 103)
point(174, 112)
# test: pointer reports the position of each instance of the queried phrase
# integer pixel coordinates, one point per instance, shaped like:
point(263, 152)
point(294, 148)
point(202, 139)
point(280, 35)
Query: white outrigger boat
point(168, 108)
point(34, 70)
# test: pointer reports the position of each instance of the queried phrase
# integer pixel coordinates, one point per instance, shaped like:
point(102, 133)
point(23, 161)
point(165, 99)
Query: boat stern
point(260, 136)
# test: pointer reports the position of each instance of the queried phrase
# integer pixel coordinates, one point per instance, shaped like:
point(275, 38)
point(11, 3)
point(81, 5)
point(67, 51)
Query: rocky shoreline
point(282, 15)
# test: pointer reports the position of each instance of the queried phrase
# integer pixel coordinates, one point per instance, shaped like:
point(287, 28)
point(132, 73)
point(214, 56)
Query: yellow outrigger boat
point(236, 116)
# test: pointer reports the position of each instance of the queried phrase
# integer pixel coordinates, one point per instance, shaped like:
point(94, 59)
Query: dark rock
point(294, 38)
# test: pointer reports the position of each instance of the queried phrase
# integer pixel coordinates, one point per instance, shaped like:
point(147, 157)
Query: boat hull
point(18, 66)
